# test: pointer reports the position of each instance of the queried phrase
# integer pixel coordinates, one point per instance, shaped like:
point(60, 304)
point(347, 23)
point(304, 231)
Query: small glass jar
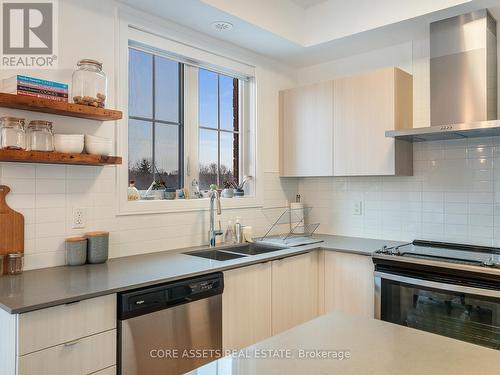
point(39, 136)
point(90, 84)
point(12, 133)
point(15, 263)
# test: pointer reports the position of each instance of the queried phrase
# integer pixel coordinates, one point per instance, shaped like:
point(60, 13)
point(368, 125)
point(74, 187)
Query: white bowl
point(68, 143)
point(93, 138)
point(99, 148)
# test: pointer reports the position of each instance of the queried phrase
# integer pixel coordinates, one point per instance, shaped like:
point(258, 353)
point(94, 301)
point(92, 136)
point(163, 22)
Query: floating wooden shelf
point(22, 156)
point(58, 108)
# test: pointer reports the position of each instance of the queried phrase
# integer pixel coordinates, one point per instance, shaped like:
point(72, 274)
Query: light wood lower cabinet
point(106, 371)
point(43, 328)
point(348, 283)
point(267, 298)
point(84, 356)
point(71, 339)
point(246, 306)
point(294, 291)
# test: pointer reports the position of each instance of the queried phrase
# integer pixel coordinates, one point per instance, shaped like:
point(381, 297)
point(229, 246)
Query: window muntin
point(219, 141)
point(155, 138)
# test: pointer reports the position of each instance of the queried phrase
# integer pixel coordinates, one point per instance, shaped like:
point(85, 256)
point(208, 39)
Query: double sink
point(235, 251)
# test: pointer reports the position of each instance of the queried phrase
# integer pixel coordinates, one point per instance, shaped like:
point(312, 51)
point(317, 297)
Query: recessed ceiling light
point(222, 26)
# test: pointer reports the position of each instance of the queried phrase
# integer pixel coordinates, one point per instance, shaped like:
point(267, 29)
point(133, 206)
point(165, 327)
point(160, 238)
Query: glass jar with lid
point(90, 84)
point(15, 263)
point(39, 136)
point(12, 133)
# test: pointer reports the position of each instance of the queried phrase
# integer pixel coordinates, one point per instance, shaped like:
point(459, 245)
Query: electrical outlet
point(357, 208)
point(78, 218)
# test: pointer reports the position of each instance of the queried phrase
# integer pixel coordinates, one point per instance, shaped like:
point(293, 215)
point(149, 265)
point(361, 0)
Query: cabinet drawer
point(82, 357)
point(56, 325)
point(106, 371)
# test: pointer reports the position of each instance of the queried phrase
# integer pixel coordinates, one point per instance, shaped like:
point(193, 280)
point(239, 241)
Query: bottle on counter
point(229, 236)
point(238, 231)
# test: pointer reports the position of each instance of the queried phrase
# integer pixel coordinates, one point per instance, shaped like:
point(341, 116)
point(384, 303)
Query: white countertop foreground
point(375, 347)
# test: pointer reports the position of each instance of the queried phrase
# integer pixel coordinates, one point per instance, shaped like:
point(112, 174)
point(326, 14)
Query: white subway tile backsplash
point(51, 171)
point(50, 201)
point(20, 185)
point(20, 201)
point(46, 196)
point(18, 170)
point(46, 186)
point(453, 195)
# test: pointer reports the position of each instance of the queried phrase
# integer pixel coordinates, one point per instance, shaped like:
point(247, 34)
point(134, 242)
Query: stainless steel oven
point(457, 304)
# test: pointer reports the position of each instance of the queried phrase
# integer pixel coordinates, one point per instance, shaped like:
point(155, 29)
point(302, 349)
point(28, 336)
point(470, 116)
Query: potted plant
point(158, 190)
point(229, 186)
point(239, 191)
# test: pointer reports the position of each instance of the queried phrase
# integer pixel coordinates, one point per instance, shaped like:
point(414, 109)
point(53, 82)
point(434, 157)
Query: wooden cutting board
point(11, 227)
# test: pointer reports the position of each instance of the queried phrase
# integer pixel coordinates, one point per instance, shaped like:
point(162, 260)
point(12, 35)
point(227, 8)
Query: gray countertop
point(375, 347)
point(37, 289)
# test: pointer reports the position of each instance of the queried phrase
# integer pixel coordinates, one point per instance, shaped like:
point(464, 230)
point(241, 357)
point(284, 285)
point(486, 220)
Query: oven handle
point(436, 285)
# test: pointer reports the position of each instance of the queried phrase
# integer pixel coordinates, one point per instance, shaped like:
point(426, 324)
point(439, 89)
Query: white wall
point(454, 194)
point(335, 19)
point(46, 194)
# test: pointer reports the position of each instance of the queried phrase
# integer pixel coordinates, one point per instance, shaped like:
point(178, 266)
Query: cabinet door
point(246, 306)
point(306, 130)
point(294, 291)
point(365, 106)
point(349, 285)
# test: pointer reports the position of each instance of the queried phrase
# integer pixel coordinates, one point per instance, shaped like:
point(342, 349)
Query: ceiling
point(307, 3)
point(277, 28)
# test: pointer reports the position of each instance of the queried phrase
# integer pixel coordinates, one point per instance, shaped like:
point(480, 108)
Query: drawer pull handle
point(71, 343)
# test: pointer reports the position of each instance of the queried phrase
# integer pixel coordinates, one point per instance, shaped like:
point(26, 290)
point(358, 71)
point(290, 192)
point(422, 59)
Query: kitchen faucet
point(213, 233)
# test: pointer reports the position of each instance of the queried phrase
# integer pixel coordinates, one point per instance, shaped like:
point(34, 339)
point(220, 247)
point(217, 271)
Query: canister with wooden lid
point(76, 251)
point(97, 247)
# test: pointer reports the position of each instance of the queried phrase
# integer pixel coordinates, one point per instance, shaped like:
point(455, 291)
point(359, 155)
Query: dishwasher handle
point(147, 300)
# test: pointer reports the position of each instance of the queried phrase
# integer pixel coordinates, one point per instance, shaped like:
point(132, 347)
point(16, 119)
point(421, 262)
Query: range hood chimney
point(463, 79)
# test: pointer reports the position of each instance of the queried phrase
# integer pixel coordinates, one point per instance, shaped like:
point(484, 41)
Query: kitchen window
point(155, 120)
point(219, 129)
point(190, 123)
point(156, 128)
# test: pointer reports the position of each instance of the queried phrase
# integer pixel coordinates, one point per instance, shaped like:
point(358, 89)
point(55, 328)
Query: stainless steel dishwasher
point(171, 328)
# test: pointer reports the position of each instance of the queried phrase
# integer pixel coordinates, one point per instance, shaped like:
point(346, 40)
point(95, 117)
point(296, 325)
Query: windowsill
point(161, 206)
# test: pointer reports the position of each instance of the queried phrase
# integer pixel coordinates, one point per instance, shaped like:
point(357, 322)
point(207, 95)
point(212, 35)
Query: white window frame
point(131, 28)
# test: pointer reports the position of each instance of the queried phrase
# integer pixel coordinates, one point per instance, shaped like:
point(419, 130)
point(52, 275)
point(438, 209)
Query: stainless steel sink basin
point(215, 255)
point(254, 249)
point(231, 252)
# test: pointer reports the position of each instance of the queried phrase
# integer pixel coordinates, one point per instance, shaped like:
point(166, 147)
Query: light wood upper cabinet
point(365, 106)
point(306, 131)
point(294, 291)
point(348, 283)
point(246, 306)
point(337, 128)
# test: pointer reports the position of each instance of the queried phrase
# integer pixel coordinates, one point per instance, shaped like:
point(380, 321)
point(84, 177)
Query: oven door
point(462, 312)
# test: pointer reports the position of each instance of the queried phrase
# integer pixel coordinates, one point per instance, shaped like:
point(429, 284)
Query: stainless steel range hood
point(463, 80)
